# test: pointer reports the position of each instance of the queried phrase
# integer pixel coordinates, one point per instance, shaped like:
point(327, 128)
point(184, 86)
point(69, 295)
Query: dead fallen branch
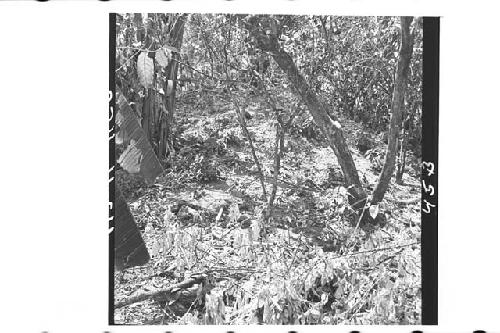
point(170, 293)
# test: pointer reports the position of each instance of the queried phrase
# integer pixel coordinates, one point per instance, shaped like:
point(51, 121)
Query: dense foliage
point(304, 258)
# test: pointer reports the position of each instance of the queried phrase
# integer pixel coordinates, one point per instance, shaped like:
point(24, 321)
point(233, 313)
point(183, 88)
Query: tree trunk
point(402, 152)
point(263, 29)
point(401, 78)
point(167, 120)
point(147, 105)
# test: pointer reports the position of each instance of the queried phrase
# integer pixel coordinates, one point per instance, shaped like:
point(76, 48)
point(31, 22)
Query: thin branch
point(374, 250)
point(277, 159)
point(241, 119)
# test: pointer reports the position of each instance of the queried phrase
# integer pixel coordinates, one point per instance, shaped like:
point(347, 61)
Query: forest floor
point(308, 263)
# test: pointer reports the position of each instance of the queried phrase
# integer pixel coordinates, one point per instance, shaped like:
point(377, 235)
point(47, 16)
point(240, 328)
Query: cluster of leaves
point(198, 162)
point(305, 127)
point(202, 145)
point(145, 63)
point(142, 52)
point(348, 61)
point(376, 157)
point(287, 281)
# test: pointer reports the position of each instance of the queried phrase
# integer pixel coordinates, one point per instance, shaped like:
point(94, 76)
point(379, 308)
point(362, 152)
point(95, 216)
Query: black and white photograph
point(242, 166)
point(267, 169)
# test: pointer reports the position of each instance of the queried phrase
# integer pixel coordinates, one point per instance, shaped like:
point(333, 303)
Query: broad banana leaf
point(130, 249)
point(139, 156)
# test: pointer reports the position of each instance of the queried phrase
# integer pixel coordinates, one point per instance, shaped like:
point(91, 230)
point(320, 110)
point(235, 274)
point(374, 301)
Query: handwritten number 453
point(429, 189)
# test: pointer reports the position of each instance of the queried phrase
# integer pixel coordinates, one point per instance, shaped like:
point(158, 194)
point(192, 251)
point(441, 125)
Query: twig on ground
point(195, 279)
